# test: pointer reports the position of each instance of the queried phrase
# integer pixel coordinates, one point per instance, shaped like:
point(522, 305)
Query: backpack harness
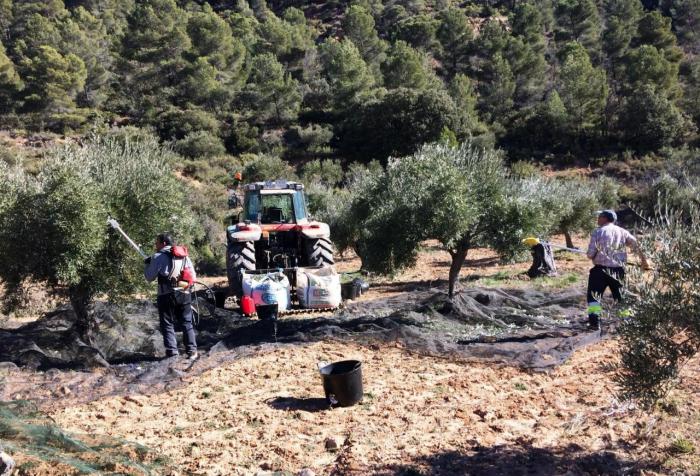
point(179, 276)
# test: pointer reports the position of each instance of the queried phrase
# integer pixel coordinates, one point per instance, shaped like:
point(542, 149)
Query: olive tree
point(460, 196)
point(663, 332)
point(55, 225)
point(339, 206)
point(573, 203)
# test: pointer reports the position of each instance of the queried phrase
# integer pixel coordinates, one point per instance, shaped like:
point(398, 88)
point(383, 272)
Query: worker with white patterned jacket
point(607, 250)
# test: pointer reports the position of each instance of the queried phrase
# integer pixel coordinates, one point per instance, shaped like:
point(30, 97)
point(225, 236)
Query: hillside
point(361, 80)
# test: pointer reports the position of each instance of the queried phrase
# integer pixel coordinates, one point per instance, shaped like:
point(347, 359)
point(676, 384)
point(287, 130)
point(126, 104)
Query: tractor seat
point(275, 215)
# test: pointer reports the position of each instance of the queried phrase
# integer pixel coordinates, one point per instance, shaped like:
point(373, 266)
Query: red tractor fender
point(315, 230)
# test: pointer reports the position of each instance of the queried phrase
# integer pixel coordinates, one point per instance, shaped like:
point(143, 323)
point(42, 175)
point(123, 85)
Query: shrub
point(682, 446)
point(525, 169)
point(664, 331)
point(268, 167)
point(327, 172)
point(175, 124)
point(397, 124)
point(649, 120)
point(200, 144)
point(243, 138)
point(679, 194)
point(312, 137)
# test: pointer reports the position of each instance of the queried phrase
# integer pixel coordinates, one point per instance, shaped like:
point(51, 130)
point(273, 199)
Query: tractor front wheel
point(239, 257)
point(319, 252)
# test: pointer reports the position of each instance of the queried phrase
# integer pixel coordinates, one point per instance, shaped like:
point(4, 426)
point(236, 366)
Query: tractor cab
point(278, 202)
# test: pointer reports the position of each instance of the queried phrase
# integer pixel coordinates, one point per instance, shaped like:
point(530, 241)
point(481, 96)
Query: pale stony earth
point(420, 415)
point(262, 414)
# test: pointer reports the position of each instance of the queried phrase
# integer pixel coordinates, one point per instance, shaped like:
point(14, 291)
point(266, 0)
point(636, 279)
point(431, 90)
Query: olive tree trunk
point(569, 241)
point(459, 256)
point(80, 297)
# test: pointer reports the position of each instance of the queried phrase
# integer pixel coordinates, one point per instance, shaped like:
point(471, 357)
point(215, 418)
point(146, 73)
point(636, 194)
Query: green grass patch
point(682, 446)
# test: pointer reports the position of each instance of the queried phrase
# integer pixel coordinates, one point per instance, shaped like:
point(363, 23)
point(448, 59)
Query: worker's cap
point(609, 214)
point(531, 241)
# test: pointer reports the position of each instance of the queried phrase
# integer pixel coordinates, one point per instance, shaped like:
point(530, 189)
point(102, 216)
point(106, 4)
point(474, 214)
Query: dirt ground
point(420, 415)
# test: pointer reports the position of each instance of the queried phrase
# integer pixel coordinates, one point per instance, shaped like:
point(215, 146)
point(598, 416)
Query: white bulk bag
point(265, 289)
point(318, 288)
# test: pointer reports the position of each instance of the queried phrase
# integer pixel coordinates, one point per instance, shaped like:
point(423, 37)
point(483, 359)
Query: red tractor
point(274, 232)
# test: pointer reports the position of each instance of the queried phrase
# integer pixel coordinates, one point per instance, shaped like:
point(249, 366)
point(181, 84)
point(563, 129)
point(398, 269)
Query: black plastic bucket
point(342, 382)
point(350, 290)
point(267, 312)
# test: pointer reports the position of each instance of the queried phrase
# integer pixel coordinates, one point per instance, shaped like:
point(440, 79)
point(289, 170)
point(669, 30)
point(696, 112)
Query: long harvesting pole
point(115, 224)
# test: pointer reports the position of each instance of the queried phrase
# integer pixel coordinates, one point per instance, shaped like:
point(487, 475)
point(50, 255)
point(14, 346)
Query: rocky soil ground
point(419, 416)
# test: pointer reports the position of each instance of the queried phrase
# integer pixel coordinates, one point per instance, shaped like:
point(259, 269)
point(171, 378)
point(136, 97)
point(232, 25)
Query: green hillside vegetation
point(357, 80)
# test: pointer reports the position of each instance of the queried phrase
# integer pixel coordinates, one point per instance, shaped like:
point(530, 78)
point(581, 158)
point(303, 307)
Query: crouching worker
point(175, 273)
point(542, 259)
point(607, 250)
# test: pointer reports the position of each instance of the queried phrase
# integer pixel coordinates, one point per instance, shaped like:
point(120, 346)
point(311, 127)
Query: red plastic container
point(247, 305)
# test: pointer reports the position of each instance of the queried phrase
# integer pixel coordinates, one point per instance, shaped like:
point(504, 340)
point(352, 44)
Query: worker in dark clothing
point(607, 250)
point(170, 266)
point(542, 259)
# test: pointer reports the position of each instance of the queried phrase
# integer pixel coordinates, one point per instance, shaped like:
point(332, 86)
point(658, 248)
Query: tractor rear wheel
point(319, 252)
point(239, 257)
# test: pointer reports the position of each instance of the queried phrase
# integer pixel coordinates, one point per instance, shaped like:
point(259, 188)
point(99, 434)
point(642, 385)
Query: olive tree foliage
point(664, 331)
point(573, 203)
point(55, 225)
point(337, 206)
point(460, 196)
point(677, 191)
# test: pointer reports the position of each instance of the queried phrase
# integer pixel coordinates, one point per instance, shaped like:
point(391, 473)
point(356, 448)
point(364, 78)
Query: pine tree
point(583, 90)
point(30, 31)
point(200, 85)
point(275, 95)
point(86, 36)
point(418, 31)
point(52, 80)
point(6, 18)
point(648, 66)
point(648, 120)
point(654, 29)
point(454, 34)
point(578, 20)
point(156, 34)
point(215, 67)
point(528, 24)
point(406, 67)
point(345, 71)
point(529, 67)
point(359, 27)
point(691, 90)
point(153, 48)
point(287, 40)
point(621, 18)
point(686, 23)
point(497, 90)
point(212, 38)
point(462, 92)
point(10, 82)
